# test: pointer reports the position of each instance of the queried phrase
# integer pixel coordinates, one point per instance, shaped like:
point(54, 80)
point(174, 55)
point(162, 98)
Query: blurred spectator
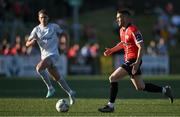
point(26, 38)
point(162, 17)
point(23, 50)
point(16, 49)
point(162, 47)
point(164, 34)
point(94, 50)
point(63, 44)
point(166, 28)
point(176, 20)
point(5, 47)
point(4, 43)
point(85, 51)
point(73, 51)
point(85, 54)
point(18, 39)
point(160, 29)
point(6, 50)
point(173, 30)
point(151, 49)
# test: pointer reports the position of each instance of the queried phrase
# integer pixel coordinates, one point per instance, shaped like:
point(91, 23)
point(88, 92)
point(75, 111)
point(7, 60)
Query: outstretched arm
point(116, 48)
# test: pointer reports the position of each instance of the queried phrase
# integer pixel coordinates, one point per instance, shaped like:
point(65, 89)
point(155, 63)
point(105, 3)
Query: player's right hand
point(30, 42)
point(107, 52)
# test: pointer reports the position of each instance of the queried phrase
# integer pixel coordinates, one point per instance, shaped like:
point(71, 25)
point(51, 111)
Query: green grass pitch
point(25, 97)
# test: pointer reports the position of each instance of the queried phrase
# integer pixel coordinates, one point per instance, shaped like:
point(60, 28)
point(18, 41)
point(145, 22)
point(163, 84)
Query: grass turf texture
point(25, 97)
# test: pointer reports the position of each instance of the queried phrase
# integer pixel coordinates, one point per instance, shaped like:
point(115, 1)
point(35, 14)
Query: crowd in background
point(165, 31)
point(17, 48)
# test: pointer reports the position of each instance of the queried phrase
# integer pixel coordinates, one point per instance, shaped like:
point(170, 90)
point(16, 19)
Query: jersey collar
point(124, 28)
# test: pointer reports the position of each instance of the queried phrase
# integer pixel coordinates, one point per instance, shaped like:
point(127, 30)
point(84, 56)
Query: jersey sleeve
point(58, 29)
point(33, 34)
point(137, 36)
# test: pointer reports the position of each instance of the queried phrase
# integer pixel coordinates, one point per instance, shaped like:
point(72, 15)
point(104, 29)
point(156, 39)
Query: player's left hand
point(135, 67)
point(107, 52)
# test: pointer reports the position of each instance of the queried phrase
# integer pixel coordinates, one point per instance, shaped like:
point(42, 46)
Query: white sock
point(45, 77)
point(50, 87)
point(163, 90)
point(111, 104)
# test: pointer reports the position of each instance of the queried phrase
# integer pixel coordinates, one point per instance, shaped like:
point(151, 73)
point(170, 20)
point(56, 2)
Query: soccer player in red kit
point(131, 41)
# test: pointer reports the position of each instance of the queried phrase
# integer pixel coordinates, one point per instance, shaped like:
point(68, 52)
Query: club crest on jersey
point(126, 36)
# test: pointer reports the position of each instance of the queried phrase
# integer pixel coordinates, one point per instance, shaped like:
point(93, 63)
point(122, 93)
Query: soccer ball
point(62, 105)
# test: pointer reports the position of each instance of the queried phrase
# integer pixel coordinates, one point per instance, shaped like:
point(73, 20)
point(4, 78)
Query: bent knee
point(38, 69)
point(113, 78)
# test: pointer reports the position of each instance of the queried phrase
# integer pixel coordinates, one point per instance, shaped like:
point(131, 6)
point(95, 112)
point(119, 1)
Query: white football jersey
point(47, 39)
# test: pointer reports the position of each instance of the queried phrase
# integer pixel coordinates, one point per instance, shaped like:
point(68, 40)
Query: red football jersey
point(130, 37)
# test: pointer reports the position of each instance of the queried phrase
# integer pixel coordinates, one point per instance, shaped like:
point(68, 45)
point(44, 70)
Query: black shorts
point(128, 68)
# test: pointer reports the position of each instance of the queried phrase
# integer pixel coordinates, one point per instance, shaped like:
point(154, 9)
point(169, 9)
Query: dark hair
point(124, 12)
point(43, 11)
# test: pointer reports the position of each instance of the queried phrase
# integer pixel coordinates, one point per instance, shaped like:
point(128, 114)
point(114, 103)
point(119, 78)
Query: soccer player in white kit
point(46, 35)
